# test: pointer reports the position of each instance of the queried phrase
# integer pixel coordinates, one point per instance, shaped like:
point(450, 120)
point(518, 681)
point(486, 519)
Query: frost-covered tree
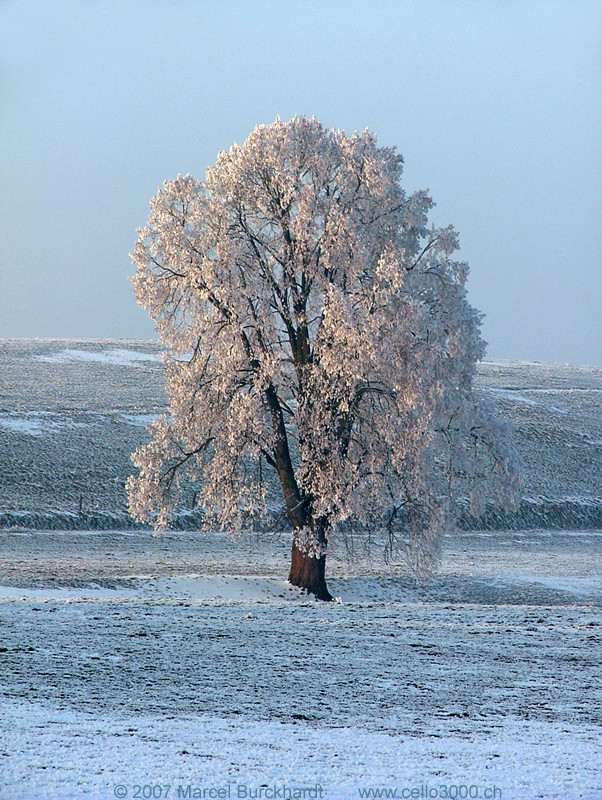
point(313, 323)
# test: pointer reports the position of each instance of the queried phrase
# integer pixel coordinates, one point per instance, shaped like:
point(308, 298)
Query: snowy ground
point(186, 661)
point(129, 664)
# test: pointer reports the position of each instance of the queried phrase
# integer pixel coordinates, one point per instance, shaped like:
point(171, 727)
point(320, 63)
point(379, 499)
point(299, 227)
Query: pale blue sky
point(496, 107)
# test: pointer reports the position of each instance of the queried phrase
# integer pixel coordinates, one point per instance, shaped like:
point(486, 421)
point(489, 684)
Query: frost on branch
point(318, 329)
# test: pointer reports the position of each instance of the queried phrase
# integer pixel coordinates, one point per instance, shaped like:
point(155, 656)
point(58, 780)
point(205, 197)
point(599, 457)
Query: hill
point(72, 411)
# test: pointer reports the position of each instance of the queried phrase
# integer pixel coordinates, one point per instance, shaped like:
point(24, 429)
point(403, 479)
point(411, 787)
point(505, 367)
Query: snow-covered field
point(130, 660)
point(72, 412)
point(131, 663)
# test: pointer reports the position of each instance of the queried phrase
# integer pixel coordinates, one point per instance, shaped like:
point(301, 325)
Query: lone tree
point(313, 323)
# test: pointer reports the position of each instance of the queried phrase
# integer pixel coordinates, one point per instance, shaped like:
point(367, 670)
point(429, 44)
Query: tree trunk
point(308, 571)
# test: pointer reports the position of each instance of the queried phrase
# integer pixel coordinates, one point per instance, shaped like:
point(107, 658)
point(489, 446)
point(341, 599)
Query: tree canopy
point(314, 323)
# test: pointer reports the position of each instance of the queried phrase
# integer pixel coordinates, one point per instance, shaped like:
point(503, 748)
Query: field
point(186, 661)
point(71, 413)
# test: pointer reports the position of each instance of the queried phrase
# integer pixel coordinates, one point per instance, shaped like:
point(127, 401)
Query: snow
point(90, 757)
point(140, 420)
point(573, 585)
point(187, 660)
point(118, 356)
point(511, 394)
point(48, 467)
point(37, 423)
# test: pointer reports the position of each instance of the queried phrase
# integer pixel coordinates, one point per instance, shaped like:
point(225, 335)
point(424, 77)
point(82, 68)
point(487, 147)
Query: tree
point(316, 325)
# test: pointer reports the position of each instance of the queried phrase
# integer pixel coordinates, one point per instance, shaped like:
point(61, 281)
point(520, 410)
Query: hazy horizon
point(496, 109)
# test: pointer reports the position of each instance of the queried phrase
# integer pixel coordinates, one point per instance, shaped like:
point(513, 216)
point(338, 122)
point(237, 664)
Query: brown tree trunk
point(308, 571)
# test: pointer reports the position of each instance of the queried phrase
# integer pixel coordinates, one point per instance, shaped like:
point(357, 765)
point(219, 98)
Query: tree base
point(308, 572)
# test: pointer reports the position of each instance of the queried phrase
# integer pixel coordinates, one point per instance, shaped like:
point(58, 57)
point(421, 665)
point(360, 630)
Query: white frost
point(58, 754)
point(37, 423)
point(119, 357)
point(140, 420)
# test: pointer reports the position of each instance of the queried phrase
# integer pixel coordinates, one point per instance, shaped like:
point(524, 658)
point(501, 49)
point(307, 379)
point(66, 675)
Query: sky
point(495, 106)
